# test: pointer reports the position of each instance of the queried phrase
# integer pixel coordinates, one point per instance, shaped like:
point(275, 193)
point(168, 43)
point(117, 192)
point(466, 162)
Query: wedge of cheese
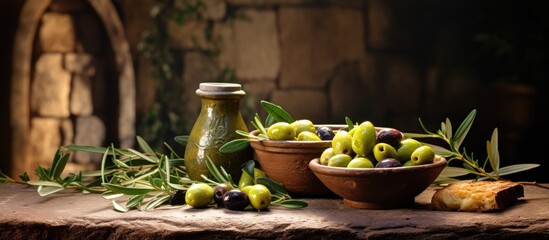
point(482, 196)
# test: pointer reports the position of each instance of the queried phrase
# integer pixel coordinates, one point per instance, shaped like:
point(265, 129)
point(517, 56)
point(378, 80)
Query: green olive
point(281, 131)
point(199, 195)
point(303, 125)
point(409, 163)
point(364, 138)
point(342, 143)
point(360, 162)
point(383, 151)
point(339, 160)
point(260, 197)
point(423, 155)
point(246, 179)
point(308, 136)
point(406, 148)
point(246, 189)
point(326, 155)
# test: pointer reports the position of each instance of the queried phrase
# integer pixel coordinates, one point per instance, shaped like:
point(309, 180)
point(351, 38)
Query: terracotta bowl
point(378, 188)
point(287, 162)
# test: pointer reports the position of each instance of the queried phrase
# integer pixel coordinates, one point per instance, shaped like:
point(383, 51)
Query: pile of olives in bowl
point(366, 146)
point(299, 130)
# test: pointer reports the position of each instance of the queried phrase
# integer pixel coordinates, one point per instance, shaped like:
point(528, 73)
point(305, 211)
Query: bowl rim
point(316, 167)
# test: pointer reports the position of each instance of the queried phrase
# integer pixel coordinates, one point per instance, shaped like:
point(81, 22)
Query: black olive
point(219, 191)
point(388, 163)
point(177, 198)
point(235, 199)
point(390, 136)
point(325, 133)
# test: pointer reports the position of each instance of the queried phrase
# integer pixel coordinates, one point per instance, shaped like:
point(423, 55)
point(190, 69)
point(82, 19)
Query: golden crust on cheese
point(483, 196)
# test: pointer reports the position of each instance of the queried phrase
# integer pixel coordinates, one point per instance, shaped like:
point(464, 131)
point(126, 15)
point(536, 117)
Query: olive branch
point(144, 179)
point(471, 165)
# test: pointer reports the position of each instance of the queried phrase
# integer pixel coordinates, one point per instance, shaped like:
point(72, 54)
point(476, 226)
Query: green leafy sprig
point(144, 180)
point(455, 152)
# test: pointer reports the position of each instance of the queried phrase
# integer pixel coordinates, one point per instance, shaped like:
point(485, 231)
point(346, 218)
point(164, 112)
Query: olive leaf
point(134, 201)
point(349, 123)
point(248, 168)
point(218, 175)
point(59, 162)
point(493, 151)
point(234, 145)
point(279, 114)
point(47, 190)
point(127, 190)
point(144, 146)
point(463, 128)
point(272, 185)
point(270, 120)
point(119, 207)
point(182, 139)
point(292, 203)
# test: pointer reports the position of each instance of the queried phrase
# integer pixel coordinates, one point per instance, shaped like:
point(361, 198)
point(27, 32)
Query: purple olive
point(388, 163)
point(390, 136)
point(236, 199)
point(325, 133)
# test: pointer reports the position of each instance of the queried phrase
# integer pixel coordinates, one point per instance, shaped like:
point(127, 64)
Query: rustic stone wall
point(326, 61)
point(70, 48)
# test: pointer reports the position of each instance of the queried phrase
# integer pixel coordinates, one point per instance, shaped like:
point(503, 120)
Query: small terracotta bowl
point(287, 162)
point(378, 188)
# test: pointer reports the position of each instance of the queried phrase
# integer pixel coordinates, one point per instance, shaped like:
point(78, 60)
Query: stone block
point(67, 131)
point(79, 63)
point(404, 86)
point(44, 139)
point(309, 104)
point(191, 35)
point(50, 87)
point(256, 90)
point(315, 40)
point(57, 33)
point(198, 67)
point(349, 95)
point(89, 131)
point(81, 103)
point(400, 25)
point(251, 46)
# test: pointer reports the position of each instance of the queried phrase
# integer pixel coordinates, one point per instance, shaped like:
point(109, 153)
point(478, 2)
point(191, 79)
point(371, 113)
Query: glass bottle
point(216, 125)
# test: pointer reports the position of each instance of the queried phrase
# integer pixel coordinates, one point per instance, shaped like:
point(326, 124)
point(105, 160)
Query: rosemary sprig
point(471, 165)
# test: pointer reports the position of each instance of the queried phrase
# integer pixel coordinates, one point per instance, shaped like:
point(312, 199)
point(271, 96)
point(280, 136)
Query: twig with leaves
point(145, 180)
point(471, 165)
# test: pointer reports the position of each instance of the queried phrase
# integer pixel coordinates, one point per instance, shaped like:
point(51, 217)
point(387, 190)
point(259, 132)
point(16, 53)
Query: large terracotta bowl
point(378, 188)
point(287, 162)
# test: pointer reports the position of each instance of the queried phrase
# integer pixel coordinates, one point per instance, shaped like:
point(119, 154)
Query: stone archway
point(20, 104)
